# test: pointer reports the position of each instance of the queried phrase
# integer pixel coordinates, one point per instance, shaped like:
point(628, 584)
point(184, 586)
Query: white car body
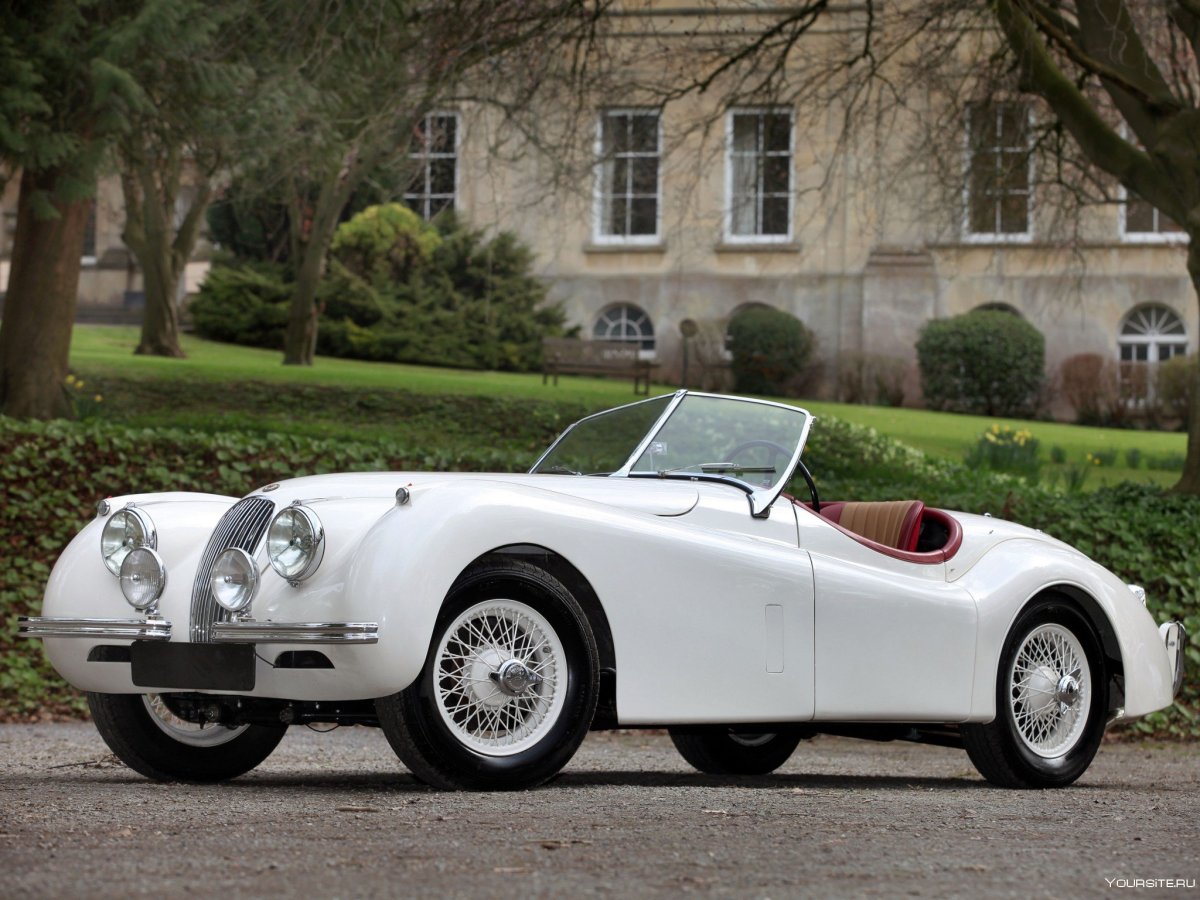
point(705, 614)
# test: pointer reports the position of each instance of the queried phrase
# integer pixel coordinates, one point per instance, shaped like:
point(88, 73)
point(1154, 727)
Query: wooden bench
point(569, 356)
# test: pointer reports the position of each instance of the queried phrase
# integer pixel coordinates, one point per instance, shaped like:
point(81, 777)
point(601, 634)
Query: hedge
point(52, 473)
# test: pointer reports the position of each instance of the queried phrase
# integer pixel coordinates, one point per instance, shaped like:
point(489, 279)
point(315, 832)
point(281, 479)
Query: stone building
point(676, 222)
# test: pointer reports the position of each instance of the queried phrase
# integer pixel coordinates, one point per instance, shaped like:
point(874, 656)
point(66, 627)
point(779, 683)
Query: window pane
point(643, 216)
point(645, 175)
point(616, 216)
point(1139, 216)
point(775, 174)
point(618, 126)
point(437, 204)
point(1014, 214)
point(742, 218)
point(1012, 125)
point(644, 138)
point(745, 133)
point(441, 134)
point(620, 169)
point(775, 215)
point(777, 133)
point(441, 176)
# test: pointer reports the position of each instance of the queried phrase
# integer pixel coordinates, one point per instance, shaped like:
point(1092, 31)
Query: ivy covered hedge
point(51, 475)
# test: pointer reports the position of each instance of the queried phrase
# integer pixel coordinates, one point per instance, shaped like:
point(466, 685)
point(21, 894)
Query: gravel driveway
point(334, 815)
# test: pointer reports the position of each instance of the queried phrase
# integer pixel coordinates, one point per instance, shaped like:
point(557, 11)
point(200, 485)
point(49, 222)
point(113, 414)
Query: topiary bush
point(771, 350)
point(243, 303)
point(984, 362)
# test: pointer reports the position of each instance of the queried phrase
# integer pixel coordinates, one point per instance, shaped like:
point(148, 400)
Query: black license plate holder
point(192, 667)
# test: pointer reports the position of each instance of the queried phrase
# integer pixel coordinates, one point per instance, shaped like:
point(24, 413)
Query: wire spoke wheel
point(1050, 690)
point(191, 733)
point(498, 678)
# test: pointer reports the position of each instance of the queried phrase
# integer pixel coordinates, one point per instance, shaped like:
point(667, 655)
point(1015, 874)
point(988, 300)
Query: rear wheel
point(725, 751)
point(148, 737)
point(508, 689)
point(1051, 702)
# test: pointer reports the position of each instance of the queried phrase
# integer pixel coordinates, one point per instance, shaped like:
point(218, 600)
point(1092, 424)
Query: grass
point(108, 351)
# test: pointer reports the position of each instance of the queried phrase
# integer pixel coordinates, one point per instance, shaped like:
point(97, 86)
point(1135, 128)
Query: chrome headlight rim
point(312, 546)
point(149, 538)
point(147, 560)
point(244, 591)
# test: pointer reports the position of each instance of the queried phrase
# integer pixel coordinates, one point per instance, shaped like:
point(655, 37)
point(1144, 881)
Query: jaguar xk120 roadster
point(649, 571)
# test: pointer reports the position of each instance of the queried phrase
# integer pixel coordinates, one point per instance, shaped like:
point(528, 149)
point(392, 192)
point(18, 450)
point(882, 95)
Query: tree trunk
point(310, 245)
point(1189, 482)
point(300, 343)
point(160, 283)
point(39, 308)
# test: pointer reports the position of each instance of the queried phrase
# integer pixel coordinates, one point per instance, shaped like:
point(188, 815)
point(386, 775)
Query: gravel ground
point(335, 815)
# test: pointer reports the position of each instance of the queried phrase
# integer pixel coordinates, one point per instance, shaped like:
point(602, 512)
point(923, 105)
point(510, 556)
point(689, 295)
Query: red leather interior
point(910, 532)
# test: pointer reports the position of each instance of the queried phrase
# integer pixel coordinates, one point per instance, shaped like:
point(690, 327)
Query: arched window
point(998, 307)
point(1150, 335)
point(625, 322)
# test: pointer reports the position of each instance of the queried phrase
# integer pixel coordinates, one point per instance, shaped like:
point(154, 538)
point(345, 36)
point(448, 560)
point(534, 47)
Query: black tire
point(415, 719)
point(132, 732)
point(726, 751)
point(999, 751)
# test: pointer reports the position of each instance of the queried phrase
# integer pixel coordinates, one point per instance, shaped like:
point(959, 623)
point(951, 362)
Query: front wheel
point(1051, 702)
point(508, 689)
point(724, 751)
point(148, 737)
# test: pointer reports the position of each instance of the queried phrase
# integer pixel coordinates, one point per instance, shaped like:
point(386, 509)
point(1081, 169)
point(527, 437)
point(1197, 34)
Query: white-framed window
point(1142, 223)
point(88, 252)
point(999, 189)
point(628, 183)
point(758, 175)
point(434, 152)
point(1149, 335)
point(625, 322)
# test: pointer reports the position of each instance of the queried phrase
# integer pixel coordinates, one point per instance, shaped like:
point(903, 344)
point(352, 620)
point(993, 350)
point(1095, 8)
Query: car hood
point(658, 498)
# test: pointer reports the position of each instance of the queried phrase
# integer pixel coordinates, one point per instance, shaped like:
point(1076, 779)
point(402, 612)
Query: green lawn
point(106, 350)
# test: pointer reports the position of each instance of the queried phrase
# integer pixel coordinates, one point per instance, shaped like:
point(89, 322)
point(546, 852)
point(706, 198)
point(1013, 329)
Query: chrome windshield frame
point(760, 499)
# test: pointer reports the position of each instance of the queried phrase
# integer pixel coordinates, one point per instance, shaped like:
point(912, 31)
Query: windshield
point(752, 443)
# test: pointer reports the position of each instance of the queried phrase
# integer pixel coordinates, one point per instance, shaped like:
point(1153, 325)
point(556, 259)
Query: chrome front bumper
point(243, 631)
point(1175, 639)
point(121, 629)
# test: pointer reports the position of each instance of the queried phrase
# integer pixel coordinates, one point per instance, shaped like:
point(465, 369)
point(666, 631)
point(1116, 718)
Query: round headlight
point(143, 577)
point(126, 530)
point(295, 543)
point(234, 579)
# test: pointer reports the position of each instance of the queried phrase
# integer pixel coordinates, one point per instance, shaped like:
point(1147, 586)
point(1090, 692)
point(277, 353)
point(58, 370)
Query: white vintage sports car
point(649, 571)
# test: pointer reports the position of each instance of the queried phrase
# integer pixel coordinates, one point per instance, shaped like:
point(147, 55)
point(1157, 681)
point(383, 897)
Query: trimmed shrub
point(246, 303)
point(771, 350)
point(398, 290)
point(984, 362)
point(1175, 383)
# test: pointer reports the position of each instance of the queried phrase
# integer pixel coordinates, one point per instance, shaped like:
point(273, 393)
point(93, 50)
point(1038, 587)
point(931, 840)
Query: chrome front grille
point(243, 527)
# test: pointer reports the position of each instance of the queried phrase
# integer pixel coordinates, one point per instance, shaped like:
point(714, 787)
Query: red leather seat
point(892, 523)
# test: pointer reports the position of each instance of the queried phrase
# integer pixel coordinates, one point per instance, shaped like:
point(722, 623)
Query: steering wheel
point(780, 450)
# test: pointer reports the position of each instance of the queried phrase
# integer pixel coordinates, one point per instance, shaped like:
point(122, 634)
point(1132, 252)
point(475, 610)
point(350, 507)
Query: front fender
point(1014, 572)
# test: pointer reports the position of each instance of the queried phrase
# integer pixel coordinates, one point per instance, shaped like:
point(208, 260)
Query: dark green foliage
point(398, 290)
point(249, 226)
point(771, 350)
point(246, 303)
point(984, 362)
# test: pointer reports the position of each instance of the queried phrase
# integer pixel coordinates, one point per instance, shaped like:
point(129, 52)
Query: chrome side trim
point(122, 629)
point(246, 631)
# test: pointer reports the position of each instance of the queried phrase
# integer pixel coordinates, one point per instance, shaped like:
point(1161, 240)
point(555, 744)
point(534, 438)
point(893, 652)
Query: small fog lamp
point(143, 578)
point(234, 579)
